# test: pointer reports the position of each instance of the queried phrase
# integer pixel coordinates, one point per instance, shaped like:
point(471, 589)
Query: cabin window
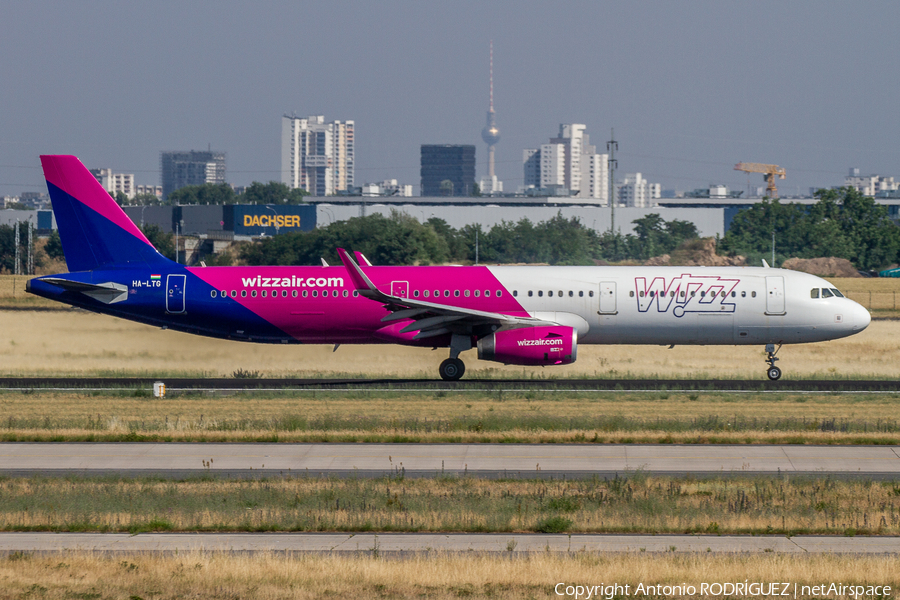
point(500, 293)
point(334, 294)
point(265, 293)
point(743, 294)
point(253, 293)
point(243, 293)
point(560, 293)
point(642, 294)
point(478, 293)
point(540, 293)
point(630, 294)
point(733, 294)
point(591, 293)
point(487, 293)
point(515, 293)
point(837, 293)
point(530, 293)
point(345, 293)
point(425, 293)
point(753, 294)
point(681, 293)
point(826, 293)
point(456, 293)
point(305, 293)
point(233, 294)
point(581, 294)
point(703, 294)
point(814, 293)
point(467, 293)
point(446, 293)
point(214, 293)
point(416, 293)
point(437, 293)
point(315, 293)
point(294, 293)
point(550, 294)
point(693, 294)
point(571, 293)
point(355, 293)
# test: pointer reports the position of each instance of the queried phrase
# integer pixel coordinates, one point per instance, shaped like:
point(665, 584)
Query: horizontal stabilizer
point(108, 293)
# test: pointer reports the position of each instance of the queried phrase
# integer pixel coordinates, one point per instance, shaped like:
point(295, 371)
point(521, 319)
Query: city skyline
point(690, 89)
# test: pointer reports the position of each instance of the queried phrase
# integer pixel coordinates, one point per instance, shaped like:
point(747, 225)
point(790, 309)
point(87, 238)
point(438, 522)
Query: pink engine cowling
point(531, 346)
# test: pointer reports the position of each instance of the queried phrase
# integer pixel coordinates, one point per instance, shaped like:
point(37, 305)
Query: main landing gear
point(773, 372)
point(453, 368)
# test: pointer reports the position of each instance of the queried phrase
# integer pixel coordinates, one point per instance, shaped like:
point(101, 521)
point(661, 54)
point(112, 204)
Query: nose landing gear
point(773, 372)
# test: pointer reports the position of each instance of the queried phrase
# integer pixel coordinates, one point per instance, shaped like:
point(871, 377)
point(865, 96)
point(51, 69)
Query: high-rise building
point(637, 192)
point(115, 182)
point(568, 163)
point(491, 135)
point(317, 156)
point(193, 167)
point(447, 170)
point(869, 185)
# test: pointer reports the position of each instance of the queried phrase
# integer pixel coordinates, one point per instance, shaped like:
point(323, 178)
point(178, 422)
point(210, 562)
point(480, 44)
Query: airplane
point(522, 315)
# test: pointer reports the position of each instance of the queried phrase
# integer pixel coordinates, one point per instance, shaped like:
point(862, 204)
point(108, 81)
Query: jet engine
point(531, 346)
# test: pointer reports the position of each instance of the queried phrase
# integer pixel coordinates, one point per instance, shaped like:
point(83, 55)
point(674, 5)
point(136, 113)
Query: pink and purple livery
point(535, 316)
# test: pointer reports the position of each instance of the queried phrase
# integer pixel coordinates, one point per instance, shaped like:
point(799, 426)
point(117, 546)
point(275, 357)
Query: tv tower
point(491, 135)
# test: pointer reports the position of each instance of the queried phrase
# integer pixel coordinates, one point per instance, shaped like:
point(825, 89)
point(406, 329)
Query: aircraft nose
point(858, 318)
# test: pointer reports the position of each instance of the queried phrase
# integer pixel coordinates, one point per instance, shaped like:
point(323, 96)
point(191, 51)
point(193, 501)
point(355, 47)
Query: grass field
point(635, 503)
point(80, 343)
point(523, 417)
point(273, 577)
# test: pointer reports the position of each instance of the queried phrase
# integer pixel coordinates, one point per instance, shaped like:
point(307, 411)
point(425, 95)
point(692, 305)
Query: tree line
point(402, 240)
point(842, 223)
point(273, 192)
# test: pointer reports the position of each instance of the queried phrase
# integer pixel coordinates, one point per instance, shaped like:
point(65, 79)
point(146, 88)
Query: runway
point(400, 544)
point(183, 385)
point(425, 460)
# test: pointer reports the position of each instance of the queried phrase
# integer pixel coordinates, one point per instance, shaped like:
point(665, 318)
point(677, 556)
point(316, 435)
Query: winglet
point(362, 283)
point(765, 264)
point(362, 258)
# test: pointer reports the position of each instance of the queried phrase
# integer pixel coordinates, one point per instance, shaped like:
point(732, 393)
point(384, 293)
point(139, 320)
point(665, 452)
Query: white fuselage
point(685, 305)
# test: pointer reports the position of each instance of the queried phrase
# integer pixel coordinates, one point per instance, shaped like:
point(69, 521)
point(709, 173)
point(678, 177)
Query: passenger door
point(608, 298)
point(775, 295)
point(175, 293)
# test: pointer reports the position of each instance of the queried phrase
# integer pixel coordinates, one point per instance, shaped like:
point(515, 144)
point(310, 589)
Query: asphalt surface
point(483, 460)
point(414, 543)
point(180, 385)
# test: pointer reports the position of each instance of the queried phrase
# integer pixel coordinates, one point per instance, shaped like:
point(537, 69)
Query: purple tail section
point(94, 230)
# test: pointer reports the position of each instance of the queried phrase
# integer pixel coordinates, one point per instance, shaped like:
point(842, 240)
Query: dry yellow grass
point(606, 417)
point(630, 504)
point(274, 577)
point(81, 343)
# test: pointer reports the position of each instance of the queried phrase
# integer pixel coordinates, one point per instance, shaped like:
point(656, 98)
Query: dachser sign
point(271, 220)
point(250, 219)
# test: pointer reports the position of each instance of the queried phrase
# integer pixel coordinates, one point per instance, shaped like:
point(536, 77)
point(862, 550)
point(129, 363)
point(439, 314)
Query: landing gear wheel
point(774, 373)
point(452, 369)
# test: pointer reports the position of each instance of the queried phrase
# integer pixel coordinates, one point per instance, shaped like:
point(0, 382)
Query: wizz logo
point(686, 293)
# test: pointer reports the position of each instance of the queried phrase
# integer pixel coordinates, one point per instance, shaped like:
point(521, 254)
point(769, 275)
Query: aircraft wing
point(430, 318)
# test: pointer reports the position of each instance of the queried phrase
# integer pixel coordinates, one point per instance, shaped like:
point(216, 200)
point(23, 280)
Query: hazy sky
point(690, 87)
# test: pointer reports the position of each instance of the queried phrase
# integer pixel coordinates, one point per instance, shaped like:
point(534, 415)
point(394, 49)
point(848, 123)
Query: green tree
point(53, 248)
point(273, 192)
point(164, 242)
point(209, 193)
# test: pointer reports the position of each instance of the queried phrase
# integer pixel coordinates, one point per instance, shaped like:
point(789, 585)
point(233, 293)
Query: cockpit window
point(826, 293)
point(837, 293)
point(814, 293)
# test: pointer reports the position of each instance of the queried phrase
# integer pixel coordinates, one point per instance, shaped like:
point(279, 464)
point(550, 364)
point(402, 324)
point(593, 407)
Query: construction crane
point(769, 171)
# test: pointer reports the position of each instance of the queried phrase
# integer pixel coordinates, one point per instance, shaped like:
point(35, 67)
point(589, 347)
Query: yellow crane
point(769, 171)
